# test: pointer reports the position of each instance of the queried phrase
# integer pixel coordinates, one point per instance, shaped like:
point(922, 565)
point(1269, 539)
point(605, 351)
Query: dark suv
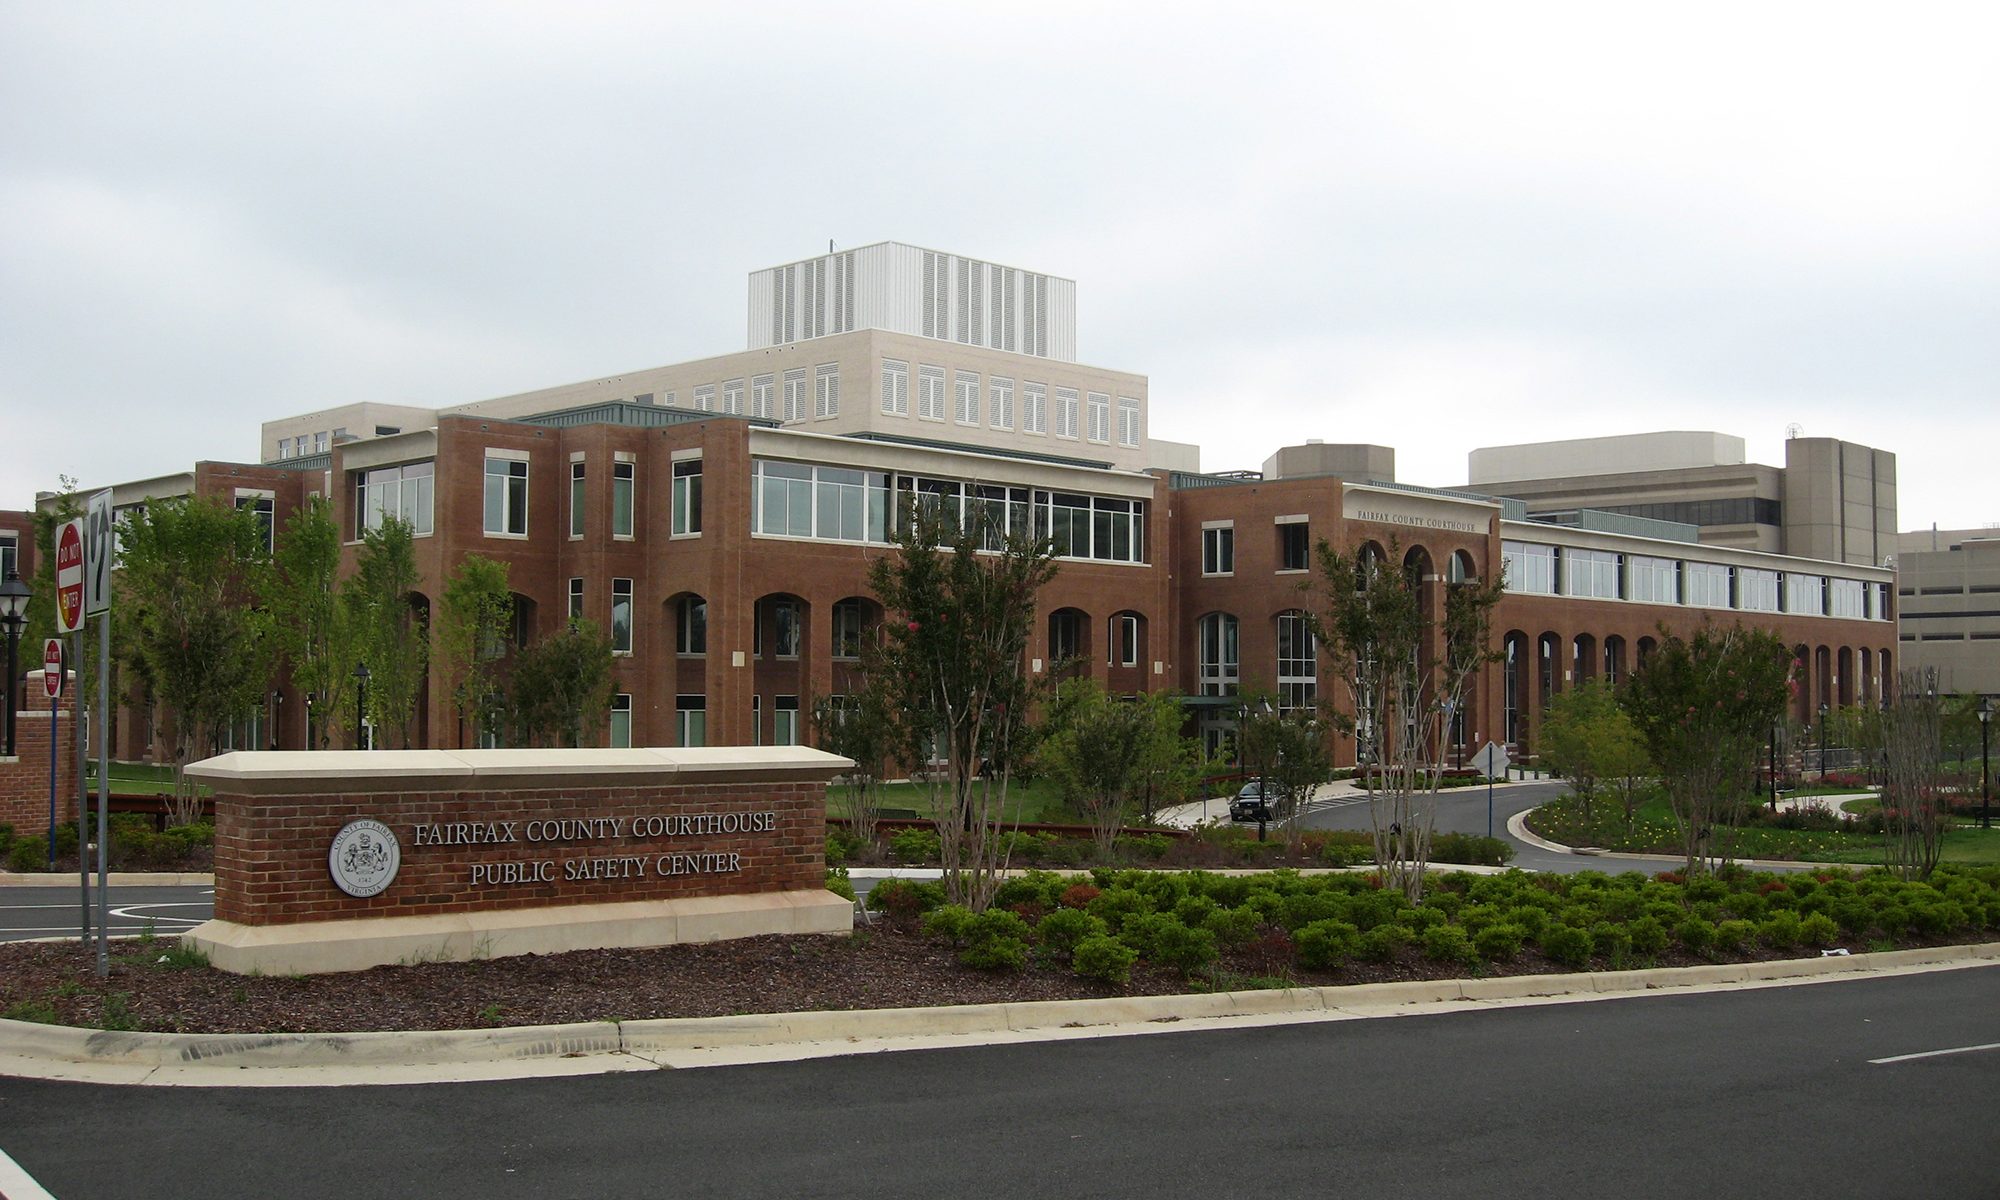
point(1250, 805)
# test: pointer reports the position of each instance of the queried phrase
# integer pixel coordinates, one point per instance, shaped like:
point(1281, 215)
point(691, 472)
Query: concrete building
point(1949, 584)
point(1832, 500)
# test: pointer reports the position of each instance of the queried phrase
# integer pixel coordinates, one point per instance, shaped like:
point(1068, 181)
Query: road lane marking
point(16, 1184)
point(1937, 1053)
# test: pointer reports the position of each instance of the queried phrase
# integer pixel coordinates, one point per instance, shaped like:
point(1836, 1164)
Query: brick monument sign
point(341, 860)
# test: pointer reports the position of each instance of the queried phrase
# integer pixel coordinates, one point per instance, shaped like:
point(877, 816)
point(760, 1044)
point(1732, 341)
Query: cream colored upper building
point(1949, 601)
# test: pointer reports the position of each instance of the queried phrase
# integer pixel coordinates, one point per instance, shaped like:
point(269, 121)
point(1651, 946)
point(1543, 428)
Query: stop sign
point(52, 668)
point(69, 577)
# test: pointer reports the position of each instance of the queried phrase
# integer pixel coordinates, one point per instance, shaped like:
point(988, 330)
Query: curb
point(117, 879)
point(51, 1048)
point(1517, 826)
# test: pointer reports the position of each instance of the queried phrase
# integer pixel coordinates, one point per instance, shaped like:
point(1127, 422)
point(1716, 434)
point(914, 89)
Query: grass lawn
point(135, 777)
point(1653, 832)
point(1026, 802)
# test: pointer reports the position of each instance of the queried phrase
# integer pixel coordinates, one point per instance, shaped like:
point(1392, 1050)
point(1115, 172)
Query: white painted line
point(1936, 1053)
point(16, 1184)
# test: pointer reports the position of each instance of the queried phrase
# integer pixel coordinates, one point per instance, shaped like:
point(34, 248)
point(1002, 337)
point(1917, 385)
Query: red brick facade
point(24, 779)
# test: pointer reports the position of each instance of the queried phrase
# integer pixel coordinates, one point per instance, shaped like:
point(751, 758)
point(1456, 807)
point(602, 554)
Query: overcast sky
point(1429, 226)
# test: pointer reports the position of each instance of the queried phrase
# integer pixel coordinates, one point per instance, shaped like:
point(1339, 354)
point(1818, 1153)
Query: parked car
point(1250, 804)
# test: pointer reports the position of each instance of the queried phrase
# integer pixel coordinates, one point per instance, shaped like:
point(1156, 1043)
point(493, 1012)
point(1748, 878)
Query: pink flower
point(913, 627)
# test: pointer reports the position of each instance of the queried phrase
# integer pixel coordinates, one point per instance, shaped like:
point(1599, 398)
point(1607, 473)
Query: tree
point(954, 659)
point(191, 576)
point(1171, 765)
point(310, 630)
point(1588, 738)
point(560, 687)
point(1405, 669)
point(1705, 706)
point(860, 726)
point(389, 637)
point(1914, 807)
point(474, 611)
point(1092, 748)
point(1287, 749)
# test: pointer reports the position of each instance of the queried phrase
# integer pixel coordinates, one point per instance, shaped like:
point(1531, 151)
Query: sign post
point(52, 683)
point(1492, 761)
point(97, 601)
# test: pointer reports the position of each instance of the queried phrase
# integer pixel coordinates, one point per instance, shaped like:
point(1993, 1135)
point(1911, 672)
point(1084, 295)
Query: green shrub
point(1105, 959)
point(914, 845)
point(1567, 945)
point(1304, 908)
point(6, 838)
point(1324, 945)
point(1115, 905)
point(1499, 943)
point(1819, 930)
point(905, 897)
point(1384, 942)
point(1422, 920)
point(1697, 935)
point(838, 883)
point(1077, 895)
point(996, 940)
point(1194, 911)
point(952, 922)
point(1187, 950)
point(1449, 944)
point(1044, 888)
point(841, 846)
point(1232, 926)
point(1150, 847)
point(1780, 929)
point(1649, 936)
point(1612, 942)
point(1470, 849)
point(30, 853)
point(1064, 929)
point(1733, 935)
point(1531, 919)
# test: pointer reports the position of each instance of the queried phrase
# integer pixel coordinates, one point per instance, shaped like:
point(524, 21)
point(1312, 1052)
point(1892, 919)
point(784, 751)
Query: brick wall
point(271, 847)
point(24, 779)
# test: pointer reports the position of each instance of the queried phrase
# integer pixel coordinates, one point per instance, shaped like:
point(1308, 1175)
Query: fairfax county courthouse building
point(719, 517)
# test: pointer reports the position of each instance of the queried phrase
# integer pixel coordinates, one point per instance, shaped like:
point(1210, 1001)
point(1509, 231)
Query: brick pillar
point(24, 779)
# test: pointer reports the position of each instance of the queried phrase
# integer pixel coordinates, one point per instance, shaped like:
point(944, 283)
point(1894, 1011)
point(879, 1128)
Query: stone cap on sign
point(301, 771)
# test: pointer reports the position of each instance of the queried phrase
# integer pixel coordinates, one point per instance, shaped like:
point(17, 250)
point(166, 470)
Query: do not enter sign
point(52, 667)
point(69, 577)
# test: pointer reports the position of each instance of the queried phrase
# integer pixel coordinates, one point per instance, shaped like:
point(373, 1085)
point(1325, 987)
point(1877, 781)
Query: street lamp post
point(1263, 788)
point(360, 704)
point(309, 720)
point(14, 615)
point(1985, 764)
point(1822, 743)
point(277, 714)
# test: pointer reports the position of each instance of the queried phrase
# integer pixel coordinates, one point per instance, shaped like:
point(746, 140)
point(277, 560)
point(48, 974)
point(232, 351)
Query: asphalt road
point(37, 912)
point(1733, 1093)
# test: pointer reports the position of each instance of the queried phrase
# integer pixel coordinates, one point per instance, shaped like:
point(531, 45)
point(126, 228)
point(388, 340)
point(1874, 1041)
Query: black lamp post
point(360, 705)
point(1263, 788)
point(277, 714)
point(1985, 764)
point(14, 615)
point(309, 720)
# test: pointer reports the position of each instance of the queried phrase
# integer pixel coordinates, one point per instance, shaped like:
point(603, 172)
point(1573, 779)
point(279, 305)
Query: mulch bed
point(889, 965)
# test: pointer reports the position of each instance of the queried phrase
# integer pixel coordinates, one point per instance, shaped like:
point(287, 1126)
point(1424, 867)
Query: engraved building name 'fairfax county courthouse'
point(339, 860)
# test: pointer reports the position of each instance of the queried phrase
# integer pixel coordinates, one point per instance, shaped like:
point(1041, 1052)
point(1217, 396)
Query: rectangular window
point(895, 388)
point(1126, 639)
point(1653, 580)
point(1879, 610)
point(1034, 408)
point(704, 397)
point(787, 629)
point(621, 721)
point(1128, 421)
point(1100, 417)
point(687, 496)
point(1066, 412)
point(623, 481)
point(1591, 573)
point(575, 598)
point(1707, 585)
point(1294, 546)
point(785, 721)
point(966, 388)
point(507, 497)
point(267, 519)
point(1000, 403)
point(795, 396)
point(1846, 598)
point(10, 555)
point(621, 616)
point(1218, 550)
point(401, 492)
point(763, 395)
point(1805, 594)
point(826, 390)
point(1756, 590)
point(691, 715)
point(849, 625)
point(284, 448)
point(576, 488)
point(930, 393)
point(732, 397)
point(320, 444)
point(691, 626)
point(1529, 567)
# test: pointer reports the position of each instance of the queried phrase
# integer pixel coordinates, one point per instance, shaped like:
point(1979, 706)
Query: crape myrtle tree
point(388, 635)
point(1405, 670)
point(310, 630)
point(475, 609)
point(1112, 755)
point(1915, 810)
point(1590, 740)
point(560, 687)
point(190, 580)
point(1706, 705)
point(961, 596)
